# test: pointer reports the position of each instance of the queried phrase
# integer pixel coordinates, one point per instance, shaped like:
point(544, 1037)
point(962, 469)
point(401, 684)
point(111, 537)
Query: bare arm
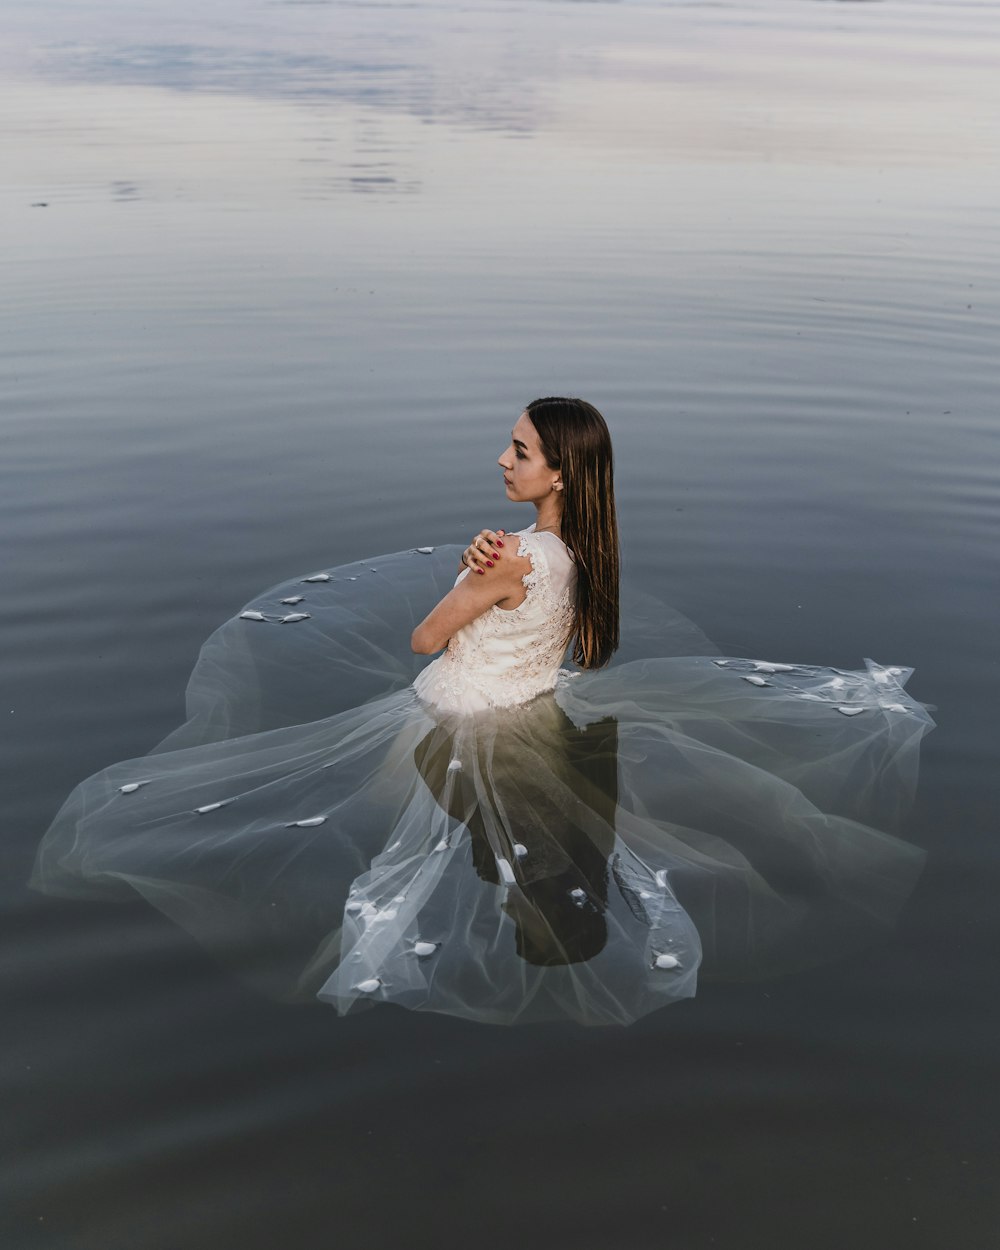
point(471, 597)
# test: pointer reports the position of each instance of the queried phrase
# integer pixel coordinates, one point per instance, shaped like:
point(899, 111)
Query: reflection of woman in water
point(562, 882)
point(490, 835)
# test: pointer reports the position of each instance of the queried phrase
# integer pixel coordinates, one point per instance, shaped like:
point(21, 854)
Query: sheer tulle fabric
point(584, 855)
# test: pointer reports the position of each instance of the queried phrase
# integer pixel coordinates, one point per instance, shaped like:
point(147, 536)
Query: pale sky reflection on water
point(777, 84)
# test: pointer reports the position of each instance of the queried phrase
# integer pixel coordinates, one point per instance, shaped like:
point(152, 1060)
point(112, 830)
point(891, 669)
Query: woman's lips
point(506, 481)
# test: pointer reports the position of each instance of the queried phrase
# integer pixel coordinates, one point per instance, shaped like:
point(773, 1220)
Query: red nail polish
point(499, 543)
point(480, 572)
point(489, 563)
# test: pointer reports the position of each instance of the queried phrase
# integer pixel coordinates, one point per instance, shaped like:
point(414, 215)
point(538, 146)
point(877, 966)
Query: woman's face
point(526, 475)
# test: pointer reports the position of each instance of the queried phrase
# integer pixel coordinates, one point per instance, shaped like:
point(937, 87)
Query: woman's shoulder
point(551, 567)
point(551, 545)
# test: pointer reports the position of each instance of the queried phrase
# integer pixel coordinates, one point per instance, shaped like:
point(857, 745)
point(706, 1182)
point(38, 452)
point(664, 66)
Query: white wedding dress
point(493, 836)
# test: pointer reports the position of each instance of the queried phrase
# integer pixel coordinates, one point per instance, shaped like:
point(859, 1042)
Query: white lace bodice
point(508, 656)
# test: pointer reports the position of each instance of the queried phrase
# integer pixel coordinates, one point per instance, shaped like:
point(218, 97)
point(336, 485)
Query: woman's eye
point(520, 455)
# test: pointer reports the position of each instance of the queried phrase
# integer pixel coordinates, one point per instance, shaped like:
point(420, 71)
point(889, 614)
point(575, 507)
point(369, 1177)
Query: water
point(298, 268)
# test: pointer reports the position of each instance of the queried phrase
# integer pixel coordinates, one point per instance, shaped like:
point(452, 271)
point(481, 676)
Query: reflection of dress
point(500, 839)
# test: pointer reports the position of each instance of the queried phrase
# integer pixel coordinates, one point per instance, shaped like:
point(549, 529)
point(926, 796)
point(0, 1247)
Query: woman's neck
point(549, 516)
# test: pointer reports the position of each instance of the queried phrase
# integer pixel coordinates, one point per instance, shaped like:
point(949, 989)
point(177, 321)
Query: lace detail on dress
point(508, 656)
point(538, 657)
point(530, 579)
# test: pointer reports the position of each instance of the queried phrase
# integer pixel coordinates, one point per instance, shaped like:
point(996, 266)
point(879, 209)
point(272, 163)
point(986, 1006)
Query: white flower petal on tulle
point(895, 707)
point(850, 709)
point(399, 898)
point(661, 878)
point(667, 961)
point(293, 599)
point(425, 551)
point(721, 663)
point(317, 577)
point(454, 765)
point(132, 786)
point(211, 807)
point(505, 871)
point(424, 949)
point(765, 666)
point(374, 916)
point(352, 579)
point(308, 823)
point(442, 845)
point(645, 894)
point(369, 909)
point(252, 615)
point(754, 680)
point(520, 850)
point(295, 616)
point(369, 986)
point(353, 908)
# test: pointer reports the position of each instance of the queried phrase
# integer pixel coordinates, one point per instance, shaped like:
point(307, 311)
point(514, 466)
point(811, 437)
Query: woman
point(494, 839)
point(559, 460)
point(505, 638)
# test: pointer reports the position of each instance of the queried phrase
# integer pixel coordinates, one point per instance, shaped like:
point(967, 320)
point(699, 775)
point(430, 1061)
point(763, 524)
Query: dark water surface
point(278, 278)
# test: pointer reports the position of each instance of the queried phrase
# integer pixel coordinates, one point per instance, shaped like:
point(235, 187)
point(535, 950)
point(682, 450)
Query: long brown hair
point(575, 440)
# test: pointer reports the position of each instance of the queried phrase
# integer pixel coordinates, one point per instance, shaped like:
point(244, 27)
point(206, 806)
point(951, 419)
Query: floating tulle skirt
point(586, 855)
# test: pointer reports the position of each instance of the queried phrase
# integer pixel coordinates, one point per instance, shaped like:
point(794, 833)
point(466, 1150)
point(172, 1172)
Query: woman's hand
point(484, 551)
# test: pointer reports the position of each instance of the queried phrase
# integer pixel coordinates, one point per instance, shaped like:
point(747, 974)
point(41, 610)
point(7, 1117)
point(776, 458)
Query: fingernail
point(480, 572)
point(489, 563)
point(499, 543)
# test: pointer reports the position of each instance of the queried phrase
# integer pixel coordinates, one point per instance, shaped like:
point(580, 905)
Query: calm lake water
point(278, 278)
